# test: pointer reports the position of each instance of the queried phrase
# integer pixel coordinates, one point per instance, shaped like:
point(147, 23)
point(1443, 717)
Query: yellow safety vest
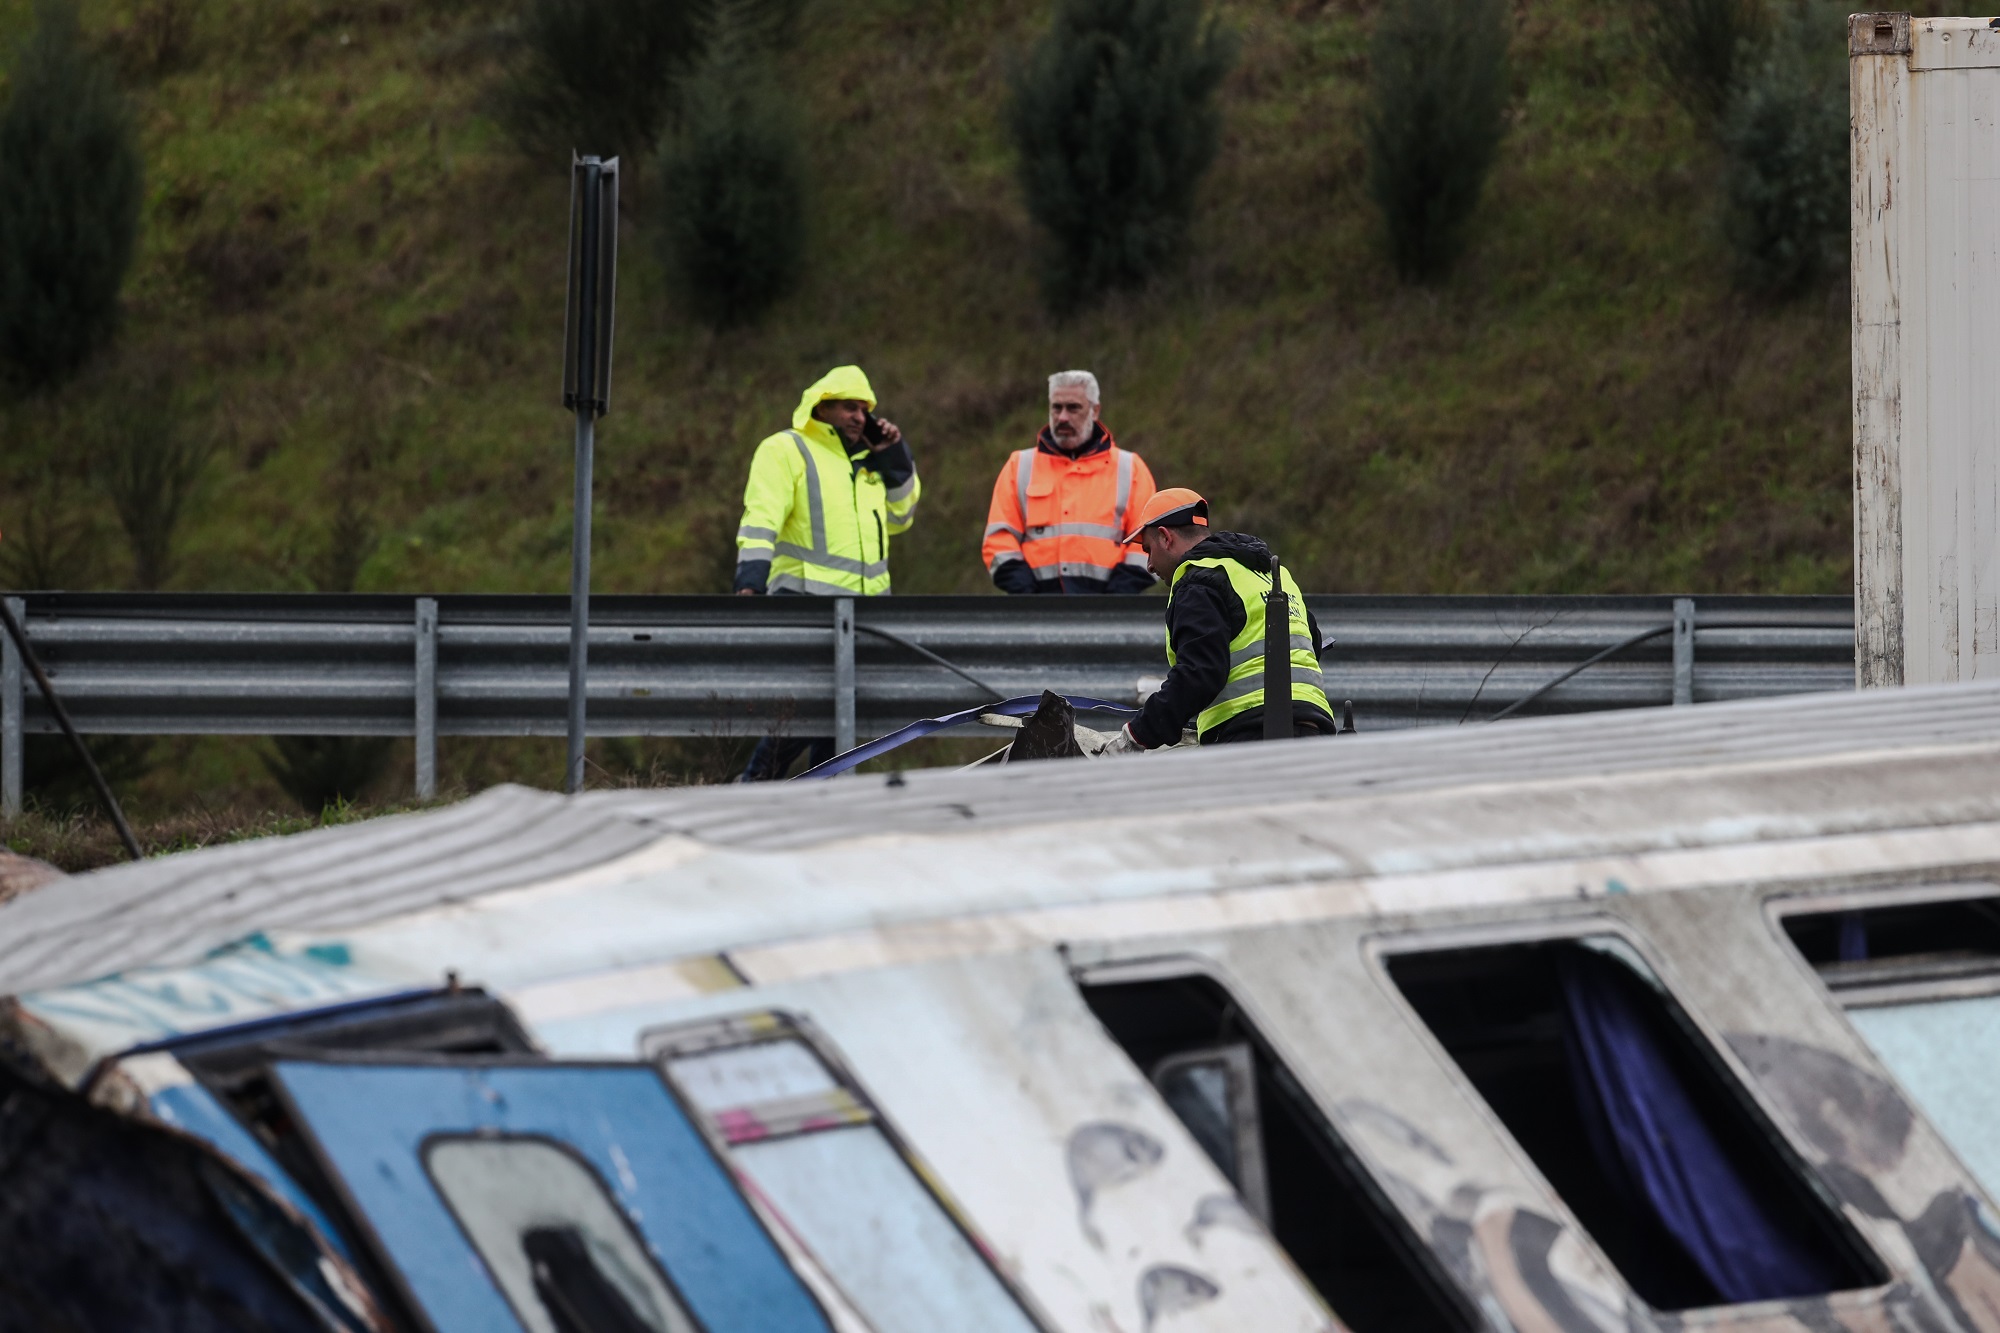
point(823, 523)
point(1244, 689)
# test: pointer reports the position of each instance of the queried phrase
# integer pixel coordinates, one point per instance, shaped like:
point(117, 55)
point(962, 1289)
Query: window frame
point(1402, 1232)
point(1886, 989)
point(660, 1045)
point(385, 1271)
point(431, 1142)
point(1239, 1062)
point(1710, 1045)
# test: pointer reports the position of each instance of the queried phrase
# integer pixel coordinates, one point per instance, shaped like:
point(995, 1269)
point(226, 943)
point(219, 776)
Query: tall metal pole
point(579, 601)
point(586, 413)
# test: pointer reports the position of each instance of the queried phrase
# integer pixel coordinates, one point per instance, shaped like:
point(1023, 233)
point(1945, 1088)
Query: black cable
point(1592, 661)
point(1635, 640)
point(34, 664)
point(922, 651)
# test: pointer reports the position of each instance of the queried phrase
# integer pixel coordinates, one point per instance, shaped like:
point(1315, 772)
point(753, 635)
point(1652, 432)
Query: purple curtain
point(1853, 937)
point(1649, 1136)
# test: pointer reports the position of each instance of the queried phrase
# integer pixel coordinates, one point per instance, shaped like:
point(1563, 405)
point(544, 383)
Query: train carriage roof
point(517, 887)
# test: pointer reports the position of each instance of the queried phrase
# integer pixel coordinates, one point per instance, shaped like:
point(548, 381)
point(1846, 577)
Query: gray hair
point(1075, 379)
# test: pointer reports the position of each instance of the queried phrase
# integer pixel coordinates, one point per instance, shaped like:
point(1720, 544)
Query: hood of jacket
point(1245, 550)
point(840, 382)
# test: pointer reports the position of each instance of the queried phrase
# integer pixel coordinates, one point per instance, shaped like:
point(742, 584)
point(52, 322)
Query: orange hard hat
point(1175, 507)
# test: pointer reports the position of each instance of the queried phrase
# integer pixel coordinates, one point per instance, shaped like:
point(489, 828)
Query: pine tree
point(1785, 188)
point(598, 76)
point(1439, 75)
point(1696, 46)
point(1115, 120)
point(733, 178)
point(70, 190)
point(603, 77)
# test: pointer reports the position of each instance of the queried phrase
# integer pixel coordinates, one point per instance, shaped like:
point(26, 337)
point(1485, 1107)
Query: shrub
point(1438, 110)
point(69, 203)
point(1115, 121)
point(321, 771)
point(1785, 186)
point(149, 464)
point(54, 543)
point(1695, 46)
point(56, 782)
point(598, 76)
point(733, 176)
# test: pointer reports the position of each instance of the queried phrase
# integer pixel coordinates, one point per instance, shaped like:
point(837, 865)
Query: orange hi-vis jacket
point(1061, 515)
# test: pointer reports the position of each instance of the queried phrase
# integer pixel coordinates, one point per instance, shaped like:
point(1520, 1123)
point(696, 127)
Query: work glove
point(1121, 742)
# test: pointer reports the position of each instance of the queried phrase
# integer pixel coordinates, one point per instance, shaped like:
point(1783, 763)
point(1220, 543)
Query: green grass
point(358, 283)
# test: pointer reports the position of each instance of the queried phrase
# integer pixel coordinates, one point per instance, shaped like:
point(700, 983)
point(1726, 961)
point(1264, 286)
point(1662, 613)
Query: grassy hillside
point(356, 283)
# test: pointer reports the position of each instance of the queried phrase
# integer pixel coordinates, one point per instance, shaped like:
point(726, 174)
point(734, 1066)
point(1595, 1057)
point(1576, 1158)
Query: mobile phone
point(872, 432)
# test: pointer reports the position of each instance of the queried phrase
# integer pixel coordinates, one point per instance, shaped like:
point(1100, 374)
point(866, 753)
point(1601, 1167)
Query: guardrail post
point(843, 674)
point(11, 703)
point(1683, 651)
point(427, 701)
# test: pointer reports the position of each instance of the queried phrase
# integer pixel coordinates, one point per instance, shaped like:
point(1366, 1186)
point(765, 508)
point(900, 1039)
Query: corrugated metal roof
point(176, 910)
point(1578, 746)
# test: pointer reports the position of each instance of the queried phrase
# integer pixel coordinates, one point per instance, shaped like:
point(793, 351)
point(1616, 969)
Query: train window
point(1900, 943)
point(561, 1251)
point(1244, 1108)
point(1954, 928)
point(1214, 1092)
point(817, 1156)
point(1606, 1084)
point(1921, 982)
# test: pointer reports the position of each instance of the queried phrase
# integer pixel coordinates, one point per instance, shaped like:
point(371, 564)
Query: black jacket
point(1204, 615)
point(1014, 576)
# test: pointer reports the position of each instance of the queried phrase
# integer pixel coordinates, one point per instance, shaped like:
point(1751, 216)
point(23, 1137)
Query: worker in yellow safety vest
point(825, 496)
point(821, 504)
point(1216, 584)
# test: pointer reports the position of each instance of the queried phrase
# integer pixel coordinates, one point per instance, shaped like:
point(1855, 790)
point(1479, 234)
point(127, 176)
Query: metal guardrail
point(255, 664)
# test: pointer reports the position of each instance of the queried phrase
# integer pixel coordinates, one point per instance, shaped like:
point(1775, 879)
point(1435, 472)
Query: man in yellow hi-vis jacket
point(822, 501)
point(824, 497)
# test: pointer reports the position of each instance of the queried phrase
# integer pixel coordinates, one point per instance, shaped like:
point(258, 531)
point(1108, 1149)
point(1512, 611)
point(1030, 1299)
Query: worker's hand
point(892, 435)
point(748, 592)
point(1122, 743)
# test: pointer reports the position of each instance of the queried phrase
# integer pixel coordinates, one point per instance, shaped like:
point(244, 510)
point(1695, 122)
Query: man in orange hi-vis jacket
point(1060, 508)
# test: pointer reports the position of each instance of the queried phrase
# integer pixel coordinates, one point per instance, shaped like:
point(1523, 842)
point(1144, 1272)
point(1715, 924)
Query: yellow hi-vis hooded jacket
point(823, 522)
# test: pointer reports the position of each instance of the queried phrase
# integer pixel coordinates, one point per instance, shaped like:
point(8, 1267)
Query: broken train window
point(820, 1161)
point(1629, 1113)
point(1918, 972)
point(1192, 1041)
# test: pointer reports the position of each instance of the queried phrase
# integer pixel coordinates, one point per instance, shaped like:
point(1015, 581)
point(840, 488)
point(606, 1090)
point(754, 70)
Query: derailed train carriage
point(1677, 1019)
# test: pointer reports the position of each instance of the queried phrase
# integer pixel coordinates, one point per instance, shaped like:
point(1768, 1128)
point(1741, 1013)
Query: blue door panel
point(371, 1121)
point(193, 1109)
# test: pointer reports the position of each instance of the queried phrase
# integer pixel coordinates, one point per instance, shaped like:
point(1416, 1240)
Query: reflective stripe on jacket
point(1244, 687)
point(822, 522)
point(1063, 513)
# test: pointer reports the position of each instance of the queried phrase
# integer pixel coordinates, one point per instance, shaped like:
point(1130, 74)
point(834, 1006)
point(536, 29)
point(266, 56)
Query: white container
point(1926, 290)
